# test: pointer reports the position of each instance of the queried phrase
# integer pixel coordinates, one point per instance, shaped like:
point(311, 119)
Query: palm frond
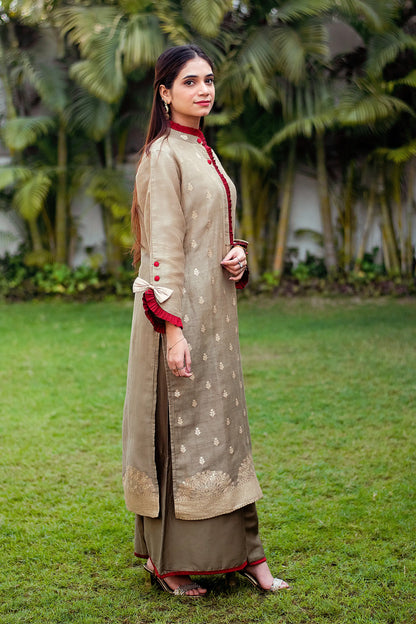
point(368, 106)
point(109, 189)
point(399, 155)
point(132, 7)
point(101, 75)
point(252, 68)
point(385, 47)
point(206, 16)
point(142, 42)
point(258, 54)
point(408, 81)
point(49, 80)
point(294, 44)
point(172, 22)
point(31, 195)
point(375, 14)
point(85, 25)
point(224, 117)
point(265, 94)
point(290, 53)
point(299, 9)
point(21, 132)
point(315, 39)
point(9, 176)
point(305, 126)
point(92, 115)
point(234, 145)
point(306, 101)
point(230, 84)
point(51, 83)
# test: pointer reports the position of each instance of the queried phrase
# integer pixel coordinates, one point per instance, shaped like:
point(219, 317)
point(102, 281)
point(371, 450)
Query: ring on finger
point(240, 263)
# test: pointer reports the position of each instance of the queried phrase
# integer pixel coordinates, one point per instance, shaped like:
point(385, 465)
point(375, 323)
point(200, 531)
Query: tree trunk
point(61, 215)
point(247, 221)
point(35, 235)
point(49, 230)
point(348, 216)
point(389, 236)
point(8, 91)
point(367, 226)
point(283, 225)
point(401, 221)
point(323, 190)
point(113, 251)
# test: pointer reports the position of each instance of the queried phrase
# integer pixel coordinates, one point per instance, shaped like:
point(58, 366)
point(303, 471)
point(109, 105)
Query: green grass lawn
point(331, 389)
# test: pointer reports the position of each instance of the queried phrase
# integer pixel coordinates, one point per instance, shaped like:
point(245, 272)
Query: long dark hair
point(168, 66)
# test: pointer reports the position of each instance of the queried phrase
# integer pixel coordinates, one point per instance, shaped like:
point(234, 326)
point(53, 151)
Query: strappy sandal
point(275, 586)
point(149, 571)
point(179, 591)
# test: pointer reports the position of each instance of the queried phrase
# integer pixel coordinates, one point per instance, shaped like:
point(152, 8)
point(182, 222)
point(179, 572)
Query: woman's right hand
point(178, 353)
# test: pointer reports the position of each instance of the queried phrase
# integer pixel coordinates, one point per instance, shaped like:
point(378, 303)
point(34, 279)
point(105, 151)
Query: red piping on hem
point(257, 562)
point(203, 573)
point(157, 315)
point(199, 572)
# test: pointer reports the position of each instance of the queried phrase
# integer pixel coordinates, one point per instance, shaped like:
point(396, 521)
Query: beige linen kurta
point(186, 206)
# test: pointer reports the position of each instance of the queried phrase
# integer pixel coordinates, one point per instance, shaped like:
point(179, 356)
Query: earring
point(167, 112)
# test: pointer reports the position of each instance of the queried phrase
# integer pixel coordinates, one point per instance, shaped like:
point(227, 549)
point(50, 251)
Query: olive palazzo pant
point(212, 546)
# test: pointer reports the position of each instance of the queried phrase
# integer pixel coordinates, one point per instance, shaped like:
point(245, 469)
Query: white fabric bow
point(162, 294)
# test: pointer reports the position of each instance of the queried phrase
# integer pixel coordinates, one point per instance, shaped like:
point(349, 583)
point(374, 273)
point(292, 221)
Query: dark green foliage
point(21, 282)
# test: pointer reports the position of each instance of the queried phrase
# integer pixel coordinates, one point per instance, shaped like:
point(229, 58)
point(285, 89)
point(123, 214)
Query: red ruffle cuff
point(242, 283)
point(157, 315)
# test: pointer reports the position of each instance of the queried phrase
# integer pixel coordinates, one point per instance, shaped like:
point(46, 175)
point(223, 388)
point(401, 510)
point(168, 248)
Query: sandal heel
point(152, 576)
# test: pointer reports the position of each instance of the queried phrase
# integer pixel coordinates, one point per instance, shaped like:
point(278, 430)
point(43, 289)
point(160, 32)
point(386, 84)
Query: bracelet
point(239, 241)
point(243, 247)
point(174, 345)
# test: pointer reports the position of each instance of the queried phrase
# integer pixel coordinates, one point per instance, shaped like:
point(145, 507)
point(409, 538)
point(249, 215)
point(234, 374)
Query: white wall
point(91, 236)
point(304, 215)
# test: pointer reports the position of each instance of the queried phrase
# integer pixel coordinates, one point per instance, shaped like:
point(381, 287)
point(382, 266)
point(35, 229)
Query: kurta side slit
point(214, 545)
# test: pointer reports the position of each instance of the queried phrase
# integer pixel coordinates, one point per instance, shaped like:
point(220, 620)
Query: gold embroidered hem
point(213, 490)
point(140, 493)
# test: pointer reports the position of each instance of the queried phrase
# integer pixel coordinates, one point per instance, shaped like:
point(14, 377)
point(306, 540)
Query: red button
point(199, 140)
point(209, 162)
point(156, 264)
point(157, 278)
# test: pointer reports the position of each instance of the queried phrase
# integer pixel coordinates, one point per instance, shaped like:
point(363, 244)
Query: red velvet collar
point(186, 129)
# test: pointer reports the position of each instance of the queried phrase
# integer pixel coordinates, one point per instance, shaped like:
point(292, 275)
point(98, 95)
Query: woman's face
point(192, 94)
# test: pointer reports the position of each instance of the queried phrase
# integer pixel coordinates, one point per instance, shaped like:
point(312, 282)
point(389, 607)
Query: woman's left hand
point(235, 262)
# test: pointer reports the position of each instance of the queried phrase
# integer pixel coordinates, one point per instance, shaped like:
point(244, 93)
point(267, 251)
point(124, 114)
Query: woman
point(188, 472)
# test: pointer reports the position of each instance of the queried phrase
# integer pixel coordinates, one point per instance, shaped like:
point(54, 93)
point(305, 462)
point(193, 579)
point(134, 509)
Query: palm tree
point(365, 102)
point(20, 133)
point(237, 145)
point(113, 40)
